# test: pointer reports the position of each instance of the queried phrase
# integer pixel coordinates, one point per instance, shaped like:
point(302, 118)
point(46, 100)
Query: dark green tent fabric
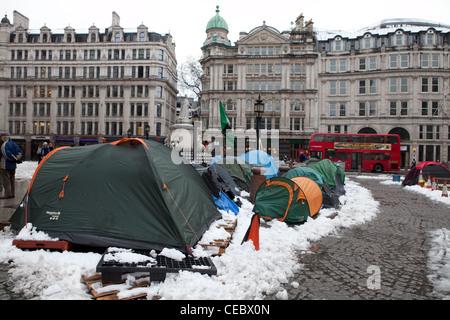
point(330, 200)
point(314, 175)
point(125, 194)
point(282, 199)
point(239, 169)
point(333, 175)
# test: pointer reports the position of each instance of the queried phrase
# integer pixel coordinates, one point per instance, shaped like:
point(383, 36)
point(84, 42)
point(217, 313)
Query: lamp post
point(259, 110)
point(129, 132)
point(147, 131)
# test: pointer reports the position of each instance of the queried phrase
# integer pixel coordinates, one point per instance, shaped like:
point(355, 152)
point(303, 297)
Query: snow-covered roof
point(384, 27)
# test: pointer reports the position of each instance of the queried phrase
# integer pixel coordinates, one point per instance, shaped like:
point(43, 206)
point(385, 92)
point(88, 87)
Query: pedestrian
point(45, 150)
point(10, 155)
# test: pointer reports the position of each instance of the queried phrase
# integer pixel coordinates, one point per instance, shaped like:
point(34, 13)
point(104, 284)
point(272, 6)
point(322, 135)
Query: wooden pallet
point(222, 244)
point(94, 283)
point(61, 245)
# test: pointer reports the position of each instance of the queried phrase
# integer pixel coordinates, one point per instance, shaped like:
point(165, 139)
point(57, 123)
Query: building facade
point(278, 67)
point(73, 87)
point(393, 77)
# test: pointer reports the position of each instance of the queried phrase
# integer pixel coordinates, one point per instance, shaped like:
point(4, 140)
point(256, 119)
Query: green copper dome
point(217, 22)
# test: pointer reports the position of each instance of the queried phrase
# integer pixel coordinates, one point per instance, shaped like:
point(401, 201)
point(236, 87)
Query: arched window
point(117, 37)
point(93, 37)
point(69, 37)
point(44, 37)
point(20, 38)
point(141, 37)
point(430, 37)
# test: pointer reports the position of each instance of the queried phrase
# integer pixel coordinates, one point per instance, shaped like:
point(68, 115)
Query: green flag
point(225, 124)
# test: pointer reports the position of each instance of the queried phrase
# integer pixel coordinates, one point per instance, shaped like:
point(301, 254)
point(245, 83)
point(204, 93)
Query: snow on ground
point(243, 273)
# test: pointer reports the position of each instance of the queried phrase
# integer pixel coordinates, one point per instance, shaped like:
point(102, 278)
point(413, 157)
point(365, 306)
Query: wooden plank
point(43, 244)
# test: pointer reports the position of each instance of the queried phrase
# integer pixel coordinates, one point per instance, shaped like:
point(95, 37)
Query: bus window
point(376, 156)
point(330, 138)
point(343, 155)
point(316, 154)
point(377, 139)
point(330, 154)
point(358, 139)
point(387, 156)
point(319, 138)
point(344, 138)
point(391, 140)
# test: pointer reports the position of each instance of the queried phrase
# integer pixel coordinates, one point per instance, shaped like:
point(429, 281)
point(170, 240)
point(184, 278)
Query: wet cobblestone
point(393, 248)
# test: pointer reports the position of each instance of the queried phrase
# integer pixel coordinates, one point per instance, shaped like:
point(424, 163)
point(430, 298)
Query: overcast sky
point(187, 20)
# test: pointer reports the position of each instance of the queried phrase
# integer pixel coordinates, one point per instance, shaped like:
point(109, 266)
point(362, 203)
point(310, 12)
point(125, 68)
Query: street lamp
point(129, 132)
point(259, 110)
point(147, 131)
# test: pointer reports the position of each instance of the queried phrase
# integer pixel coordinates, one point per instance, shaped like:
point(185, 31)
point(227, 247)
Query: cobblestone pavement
point(383, 259)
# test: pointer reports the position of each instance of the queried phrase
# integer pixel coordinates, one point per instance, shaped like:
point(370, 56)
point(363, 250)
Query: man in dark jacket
point(10, 155)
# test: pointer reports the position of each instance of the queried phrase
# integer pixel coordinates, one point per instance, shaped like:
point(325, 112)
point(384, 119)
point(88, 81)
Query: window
point(393, 108)
point(362, 109)
point(342, 87)
point(399, 39)
point(424, 84)
point(424, 108)
point(430, 38)
point(362, 63)
point(332, 109)
point(435, 84)
point(117, 37)
point(404, 61)
point(373, 86)
point(404, 108)
point(333, 65)
point(338, 44)
point(373, 63)
point(342, 65)
point(342, 109)
point(424, 61)
point(404, 84)
point(435, 108)
point(362, 86)
point(435, 61)
point(393, 62)
point(142, 37)
point(333, 88)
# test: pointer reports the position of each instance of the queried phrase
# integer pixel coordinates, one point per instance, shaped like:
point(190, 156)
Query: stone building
point(279, 67)
point(73, 87)
point(392, 77)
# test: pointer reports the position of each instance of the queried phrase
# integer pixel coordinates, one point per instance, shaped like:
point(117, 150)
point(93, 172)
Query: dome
point(217, 22)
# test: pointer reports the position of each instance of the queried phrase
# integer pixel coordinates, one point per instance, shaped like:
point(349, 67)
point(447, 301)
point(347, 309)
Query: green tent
point(128, 193)
point(330, 199)
point(283, 199)
point(316, 176)
point(239, 169)
point(332, 174)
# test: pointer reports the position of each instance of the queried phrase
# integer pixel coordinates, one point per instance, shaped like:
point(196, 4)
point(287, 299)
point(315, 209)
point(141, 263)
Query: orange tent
point(312, 192)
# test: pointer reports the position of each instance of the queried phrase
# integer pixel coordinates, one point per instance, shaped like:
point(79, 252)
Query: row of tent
point(301, 192)
point(133, 193)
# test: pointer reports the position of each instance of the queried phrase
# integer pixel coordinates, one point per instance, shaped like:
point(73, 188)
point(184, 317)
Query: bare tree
point(189, 77)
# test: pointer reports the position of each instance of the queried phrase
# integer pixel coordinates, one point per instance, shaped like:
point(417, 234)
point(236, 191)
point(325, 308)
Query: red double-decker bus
point(372, 152)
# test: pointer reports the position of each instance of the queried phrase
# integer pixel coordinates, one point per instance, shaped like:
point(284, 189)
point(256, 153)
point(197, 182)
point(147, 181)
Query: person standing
point(10, 155)
point(45, 150)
